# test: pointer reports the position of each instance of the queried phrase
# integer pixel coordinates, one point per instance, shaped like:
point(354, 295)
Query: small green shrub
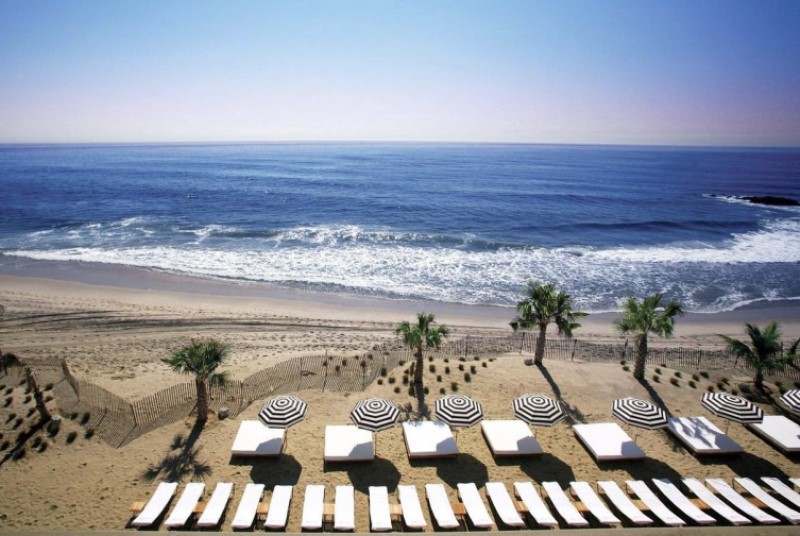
point(71, 437)
point(405, 379)
point(430, 359)
point(710, 388)
point(658, 370)
point(48, 398)
point(426, 390)
point(432, 368)
point(626, 368)
point(692, 384)
point(446, 359)
point(89, 433)
point(5, 446)
point(397, 389)
point(380, 381)
point(724, 380)
point(696, 377)
point(337, 369)
point(678, 374)
point(36, 441)
point(27, 399)
point(31, 411)
point(461, 368)
point(18, 454)
point(383, 371)
point(12, 416)
point(48, 387)
point(401, 362)
point(622, 362)
point(411, 390)
point(462, 359)
point(675, 382)
point(664, 365)
point(447, 370)
point(734, 391)
point(476, 358)
point(704, 374)
point(43, 446)
point(442, 390)
point(467, 377)
point(392, 379)
point(656, 378)
point(485, 364)
point(454, 386)
point(18, 422)
point(438, 377)
point(9, 400)
point(720, 386)
point(797, 385)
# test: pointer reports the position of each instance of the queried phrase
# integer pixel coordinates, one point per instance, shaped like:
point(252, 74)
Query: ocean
point(461, 223)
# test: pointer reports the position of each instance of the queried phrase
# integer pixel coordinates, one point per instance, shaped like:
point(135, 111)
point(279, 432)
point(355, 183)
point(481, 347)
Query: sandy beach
point(116, 337)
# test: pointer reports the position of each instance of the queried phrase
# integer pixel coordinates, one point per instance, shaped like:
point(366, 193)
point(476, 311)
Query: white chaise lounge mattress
point(429, 439)
point(780, 431)
point(510, 438)
point(702, 437)
point(255, 439)
point(607, 441)
point(347, 443)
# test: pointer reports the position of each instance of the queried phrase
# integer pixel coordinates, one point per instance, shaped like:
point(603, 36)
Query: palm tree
point(765, 352)
point(9, 360)
point(201, 358)
point(544, 303)
point(420, 336)
point(647, 316)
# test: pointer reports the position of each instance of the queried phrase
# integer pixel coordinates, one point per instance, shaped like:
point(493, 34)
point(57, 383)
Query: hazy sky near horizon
point(686, 72)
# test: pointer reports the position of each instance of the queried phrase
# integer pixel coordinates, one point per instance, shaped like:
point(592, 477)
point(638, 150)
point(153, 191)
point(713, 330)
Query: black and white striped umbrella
point(283, 411)
point(639, 413)
point(375, 414)
point(732, 407)
point(539, 410)
point(792, 400)
point(458, 411)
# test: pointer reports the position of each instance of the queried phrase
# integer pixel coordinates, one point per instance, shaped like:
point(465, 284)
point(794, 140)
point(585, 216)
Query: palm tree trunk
point(538, 357)
point(38, 397)
point(641, 357)
point(418, 366)
point(759, 380)
point(202, 400)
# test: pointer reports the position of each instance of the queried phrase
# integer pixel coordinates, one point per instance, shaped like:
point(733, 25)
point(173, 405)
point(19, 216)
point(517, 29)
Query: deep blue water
point(459, 223)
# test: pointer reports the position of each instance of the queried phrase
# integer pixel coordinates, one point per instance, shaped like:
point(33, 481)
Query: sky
point(677, 72)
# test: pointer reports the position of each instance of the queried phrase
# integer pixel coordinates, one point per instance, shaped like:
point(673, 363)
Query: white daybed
point(702, 437)
point(607, 441)
point(510, 438)
point(779, 431)
point(429, 439)
point(347, 443)
point(256, 439)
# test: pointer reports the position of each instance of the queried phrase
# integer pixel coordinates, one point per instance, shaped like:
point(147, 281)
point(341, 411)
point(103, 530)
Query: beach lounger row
point(579, 505)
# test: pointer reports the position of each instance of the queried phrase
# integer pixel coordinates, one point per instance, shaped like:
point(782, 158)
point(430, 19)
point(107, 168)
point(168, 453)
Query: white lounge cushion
point(623, 503)
point(440, 506)
point(255, 439)
point(474, 505)
point(278, 512)
point(654, 504)
point(412, 510)
point(313, 507)
point(155, 505)
point(347, 443)
point(596, 506)
point(510, 438)
point(733, 497)
point(184, 508)
point(344, 509)
point(216, 505)
point(248, 505)
point(705, 495)
point(607, 441)
point(503, 505)
point(534, 504)
point(380, 516)
point(792, 516)
point(682, 502)
point(701, 436)
point(782, 489)
point(564, 506)
point(780, 431)
point(429, 439)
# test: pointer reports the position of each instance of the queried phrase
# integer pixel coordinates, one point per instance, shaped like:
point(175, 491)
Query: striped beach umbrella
point(375, 414)
point(539, 410)
point(792, 400)
point(639, 413)
point(733, 408)
point(459, 411)
point(283, 411)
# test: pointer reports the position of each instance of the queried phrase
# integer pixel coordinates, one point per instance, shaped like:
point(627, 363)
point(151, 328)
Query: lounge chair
point(313, 507)
point(504, 505)
point(623, 502)
point(563, 505)
point(792, 516)
point(474, 505)
point(344, 513)
point(713, 502)
point(412, 510)
point(248, 506)
point(255, 439)
point(682, 502)
point(348, 443)
point(278, 513)
point(186, 505)
point(510, 438)
point(212, 513)
point(156, 505)
point(702, 437)
point(534, 504)
point(779, 431)
point(654, 504)
point(596, 506)
point(782, 489)
point(440, 505)
point(733, 497)
point(607, 441)
point(380, 516)
point(429, 439)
